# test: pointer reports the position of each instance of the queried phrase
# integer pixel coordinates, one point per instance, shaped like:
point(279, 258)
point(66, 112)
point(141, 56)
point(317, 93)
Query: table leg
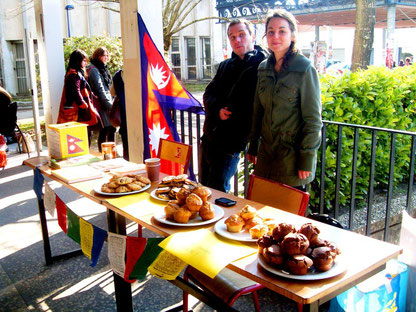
point(313, 307)
point(49, 259)
point(124, 300)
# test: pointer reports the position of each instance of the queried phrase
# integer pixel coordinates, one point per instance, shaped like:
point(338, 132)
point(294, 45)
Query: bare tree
point(365, 18)
point(173, 16)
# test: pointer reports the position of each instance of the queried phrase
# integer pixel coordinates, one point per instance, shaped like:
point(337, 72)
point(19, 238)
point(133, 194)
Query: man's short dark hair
point(236, 21)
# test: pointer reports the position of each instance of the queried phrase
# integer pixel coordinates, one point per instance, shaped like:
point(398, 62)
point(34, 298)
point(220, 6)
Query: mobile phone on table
point(226, 202)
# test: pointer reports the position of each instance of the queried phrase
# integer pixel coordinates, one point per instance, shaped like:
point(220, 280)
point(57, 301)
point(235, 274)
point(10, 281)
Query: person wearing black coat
point(228, 102)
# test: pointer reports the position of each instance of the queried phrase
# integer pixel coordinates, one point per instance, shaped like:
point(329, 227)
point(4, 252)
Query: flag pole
point(132, 78)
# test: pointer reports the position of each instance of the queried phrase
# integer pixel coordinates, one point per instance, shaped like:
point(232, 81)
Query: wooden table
point(362, 255)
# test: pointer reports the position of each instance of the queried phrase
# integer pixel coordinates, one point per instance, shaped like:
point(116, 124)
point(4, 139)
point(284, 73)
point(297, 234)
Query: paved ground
point(26, 283)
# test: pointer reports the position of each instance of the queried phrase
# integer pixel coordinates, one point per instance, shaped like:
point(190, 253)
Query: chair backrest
point(174, 157)
point(277, 195)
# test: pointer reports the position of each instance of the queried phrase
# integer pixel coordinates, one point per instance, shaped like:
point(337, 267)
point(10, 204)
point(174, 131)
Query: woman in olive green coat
point(287, 109)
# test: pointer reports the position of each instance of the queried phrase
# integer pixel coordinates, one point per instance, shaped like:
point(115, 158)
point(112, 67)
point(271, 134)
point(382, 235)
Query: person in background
point(117, 89)
point(100, 80)
point(287, 108)
point(77, 91)
point(401, 63)
point(228, 101)
point(408, 61)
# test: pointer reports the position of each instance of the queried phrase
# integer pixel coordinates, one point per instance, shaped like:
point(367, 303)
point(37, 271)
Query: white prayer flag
point(49, 200)
point(117, 252)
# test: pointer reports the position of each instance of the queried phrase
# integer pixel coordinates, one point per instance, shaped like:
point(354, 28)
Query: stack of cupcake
point(189, 204)
point(297, 251)
point(248, 220)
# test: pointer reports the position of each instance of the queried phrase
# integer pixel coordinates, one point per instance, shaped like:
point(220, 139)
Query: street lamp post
point(67, 8)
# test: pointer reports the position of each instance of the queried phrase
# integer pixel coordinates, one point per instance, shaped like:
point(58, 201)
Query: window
point(20, 66)
point(206, 57)
point(176, 58)
point(190, 57)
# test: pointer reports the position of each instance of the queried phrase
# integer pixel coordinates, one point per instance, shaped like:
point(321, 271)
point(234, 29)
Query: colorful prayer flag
point(61, 211)
point(38, 183)
point(73, 230)
point(117, 252)
point(166, 266)
point(92, 240)
point(161, 92)
point(141, 252)
point(49, 200)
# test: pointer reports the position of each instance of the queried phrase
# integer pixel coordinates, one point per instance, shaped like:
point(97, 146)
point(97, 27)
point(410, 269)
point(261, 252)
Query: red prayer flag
point(61, 211)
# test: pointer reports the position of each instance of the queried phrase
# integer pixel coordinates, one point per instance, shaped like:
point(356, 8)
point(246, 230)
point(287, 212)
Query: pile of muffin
point(189, 204)
point(297, 251)
point(171, 185)
point(125, 184)
point(248, 220)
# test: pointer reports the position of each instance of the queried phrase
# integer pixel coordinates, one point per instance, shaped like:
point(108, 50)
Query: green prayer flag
point(73, 226)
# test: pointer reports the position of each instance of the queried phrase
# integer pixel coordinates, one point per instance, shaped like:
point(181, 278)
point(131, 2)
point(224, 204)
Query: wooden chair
point(278, 195)
point(228, 285)
point(174, 157)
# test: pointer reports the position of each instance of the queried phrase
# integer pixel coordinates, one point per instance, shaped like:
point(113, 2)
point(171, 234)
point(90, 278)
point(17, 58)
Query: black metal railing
point(189, 127)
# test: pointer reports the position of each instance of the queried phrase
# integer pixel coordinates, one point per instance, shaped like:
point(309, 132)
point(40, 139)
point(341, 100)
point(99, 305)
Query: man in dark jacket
point(228, 101)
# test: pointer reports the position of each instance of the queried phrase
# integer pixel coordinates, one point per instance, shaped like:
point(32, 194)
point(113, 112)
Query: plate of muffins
point(190, 208)
point(197, 221)
point(299, 253)
point(123, 185)
point(245, 226)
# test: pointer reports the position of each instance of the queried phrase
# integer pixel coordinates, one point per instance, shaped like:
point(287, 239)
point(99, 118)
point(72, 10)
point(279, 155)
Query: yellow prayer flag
point(206, 251)
point(87, 234)
point(166, 266)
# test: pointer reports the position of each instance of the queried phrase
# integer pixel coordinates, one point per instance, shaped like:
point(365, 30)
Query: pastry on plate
point(182, 195)
point(281, 230)
point(323, 258)
point(248, 212)
point(295, 244)
point(182, 215)
point(311, 232)
point(170, 209)
point(206, 212)
point(252, 222)
point(258, 231)
point(298, 264)
point(194, 202)
point(234, 223)
point(274, 255)
point(202, 192)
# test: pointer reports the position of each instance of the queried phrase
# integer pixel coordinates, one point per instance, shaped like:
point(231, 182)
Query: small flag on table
point(61, 211)
point(141, 252)
point(73, 226)
point(92, 240)
point(38, 183)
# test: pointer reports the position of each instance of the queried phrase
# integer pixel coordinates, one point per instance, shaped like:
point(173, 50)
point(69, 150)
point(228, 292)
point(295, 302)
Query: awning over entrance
point(335, 13)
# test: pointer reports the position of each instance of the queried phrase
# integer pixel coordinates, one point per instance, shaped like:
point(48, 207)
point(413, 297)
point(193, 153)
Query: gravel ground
point(398, 204)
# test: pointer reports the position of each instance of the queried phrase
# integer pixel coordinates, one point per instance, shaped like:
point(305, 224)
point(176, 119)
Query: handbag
point(114, 115)
point(66, 114)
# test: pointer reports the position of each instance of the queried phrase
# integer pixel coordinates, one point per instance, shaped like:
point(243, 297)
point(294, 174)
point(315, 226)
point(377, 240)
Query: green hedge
point(376, 97)
point(89, 44)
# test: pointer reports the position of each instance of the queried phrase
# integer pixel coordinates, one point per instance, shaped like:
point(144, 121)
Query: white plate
point(153, 194)
point(97, 189)
point(338, 268)
point(161, 217)
point(243, 236)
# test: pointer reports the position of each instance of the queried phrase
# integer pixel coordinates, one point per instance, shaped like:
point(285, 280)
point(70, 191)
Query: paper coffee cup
point(152, 168)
